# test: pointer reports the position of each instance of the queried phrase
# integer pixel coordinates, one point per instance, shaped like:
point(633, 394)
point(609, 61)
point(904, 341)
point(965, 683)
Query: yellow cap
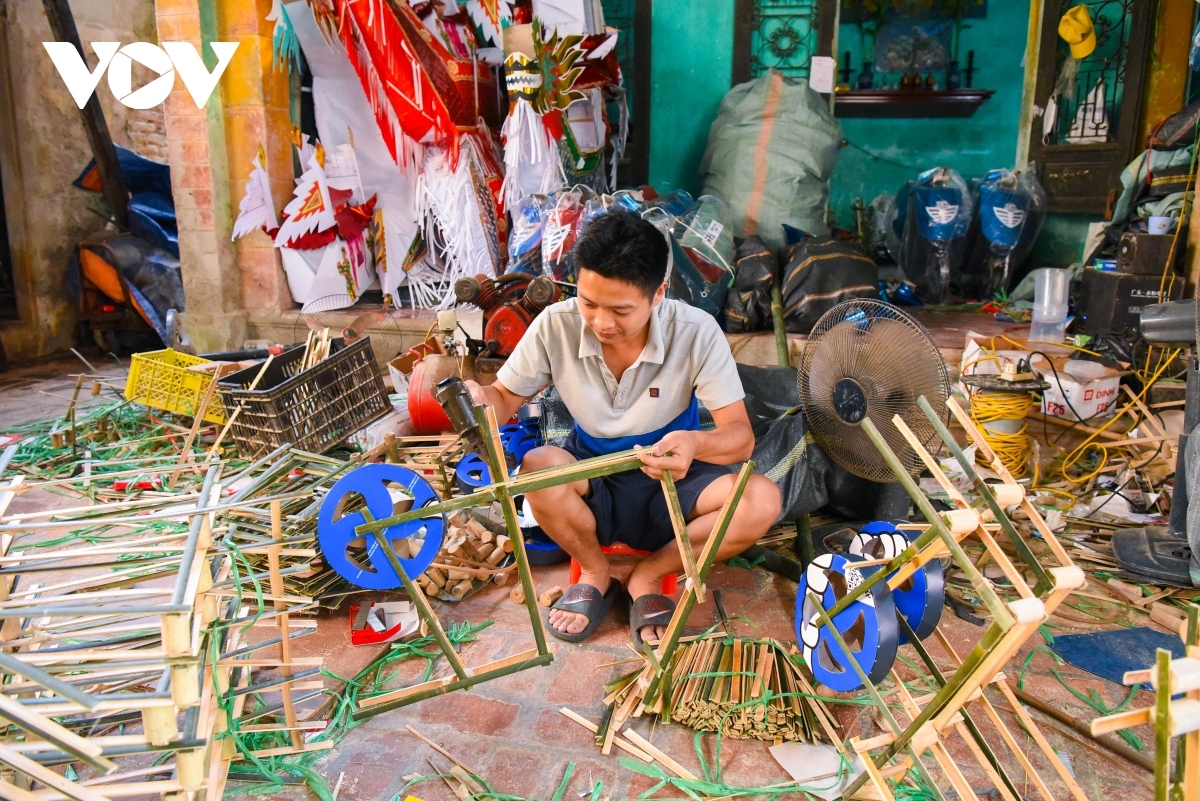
point(1077, 30)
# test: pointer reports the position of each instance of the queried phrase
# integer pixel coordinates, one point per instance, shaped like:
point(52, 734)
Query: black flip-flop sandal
point(584, 599)
point(648, 610)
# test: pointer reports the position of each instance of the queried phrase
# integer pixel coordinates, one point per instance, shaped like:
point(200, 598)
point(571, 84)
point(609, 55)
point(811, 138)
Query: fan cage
point(893, 360)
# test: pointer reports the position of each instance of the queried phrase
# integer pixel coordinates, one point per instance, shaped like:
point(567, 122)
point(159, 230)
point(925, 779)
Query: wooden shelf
point(910, 102)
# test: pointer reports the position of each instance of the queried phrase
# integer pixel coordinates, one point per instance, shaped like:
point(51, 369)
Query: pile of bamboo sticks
point(248, 535)
point(102, 627)
point(472, 555)
point(121, 626)
point(745, 688)
point(316, 349)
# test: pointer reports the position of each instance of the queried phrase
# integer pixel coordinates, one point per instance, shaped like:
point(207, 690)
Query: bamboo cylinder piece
point(190, 768)
point(461, 589)
point(505, 544)
point(496, 557)
point(501, 578)
point(1008, 494)
point(158, 722)
point(551, 595)
point(963, 521)
point(436, 576)
point(517, 594)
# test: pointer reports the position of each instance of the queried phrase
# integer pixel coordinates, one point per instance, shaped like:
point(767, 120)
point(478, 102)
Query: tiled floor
point(510, 731)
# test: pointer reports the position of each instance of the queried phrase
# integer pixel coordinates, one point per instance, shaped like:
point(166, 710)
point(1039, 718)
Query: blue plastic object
point(905, 295)
point(1003, 207)
point(939, 212)
point(793, 235)
point(516, 438)
point(871, 618)
point(919, 600)
point(526, 236)
point(1110, 654)
point(335, 531)
point(674, 203)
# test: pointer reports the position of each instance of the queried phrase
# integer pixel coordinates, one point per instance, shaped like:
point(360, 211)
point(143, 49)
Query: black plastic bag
point(818, 274)
point(770, 393)
point(748, 304)
point(784, 451)
point(788, 455)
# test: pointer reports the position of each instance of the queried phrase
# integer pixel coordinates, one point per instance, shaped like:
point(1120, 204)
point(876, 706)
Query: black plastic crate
point(313, 410)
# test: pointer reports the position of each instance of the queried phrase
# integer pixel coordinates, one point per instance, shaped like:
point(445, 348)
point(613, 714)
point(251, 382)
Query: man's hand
point(673, 452)
point(497, 396)
point(479, 397)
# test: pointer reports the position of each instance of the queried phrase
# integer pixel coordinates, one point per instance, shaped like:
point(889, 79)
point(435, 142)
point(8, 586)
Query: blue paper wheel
point(921, 598)
point(868, 626)
point(525, 437)
point(472, 472)
point(361, 560)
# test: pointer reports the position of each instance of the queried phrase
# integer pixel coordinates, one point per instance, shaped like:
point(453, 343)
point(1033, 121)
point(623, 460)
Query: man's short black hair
point(621, 245)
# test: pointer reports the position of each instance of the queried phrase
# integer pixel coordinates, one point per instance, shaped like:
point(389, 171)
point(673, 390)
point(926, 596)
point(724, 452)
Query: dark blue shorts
point(631, 508)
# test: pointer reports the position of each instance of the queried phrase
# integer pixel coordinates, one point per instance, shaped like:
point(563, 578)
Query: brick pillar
point(211, 151)
point(257, 108)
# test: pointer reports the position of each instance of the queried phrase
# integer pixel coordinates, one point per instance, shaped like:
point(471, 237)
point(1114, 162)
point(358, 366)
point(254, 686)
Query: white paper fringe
point(529, 151)
point(447, 200)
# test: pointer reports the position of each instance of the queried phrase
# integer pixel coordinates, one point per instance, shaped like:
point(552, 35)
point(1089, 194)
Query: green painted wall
point(691, 66)
point(908, 146)
point(1061, 240)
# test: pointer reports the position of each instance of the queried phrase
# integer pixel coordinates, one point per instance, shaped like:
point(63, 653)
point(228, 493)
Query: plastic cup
point(1050, 287)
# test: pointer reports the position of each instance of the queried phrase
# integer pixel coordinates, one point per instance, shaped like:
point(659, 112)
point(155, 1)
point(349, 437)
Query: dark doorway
point(8, 294)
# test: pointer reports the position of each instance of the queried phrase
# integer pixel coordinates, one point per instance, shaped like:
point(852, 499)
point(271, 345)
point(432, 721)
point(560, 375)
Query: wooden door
point(1080, 158)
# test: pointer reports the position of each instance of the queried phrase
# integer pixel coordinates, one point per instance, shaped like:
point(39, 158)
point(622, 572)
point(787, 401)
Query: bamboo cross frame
point(1044, 582)
point(1000, 641)
point(503, 489)
point(902, 738)
point(1170, 718)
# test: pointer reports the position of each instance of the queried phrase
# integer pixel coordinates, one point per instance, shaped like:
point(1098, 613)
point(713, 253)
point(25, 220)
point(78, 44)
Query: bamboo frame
point(1013, 622)
point(502, 491)
point(1170, 718)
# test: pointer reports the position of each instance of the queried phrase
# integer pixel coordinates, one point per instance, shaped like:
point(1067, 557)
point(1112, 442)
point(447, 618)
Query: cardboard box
point(1090, 388)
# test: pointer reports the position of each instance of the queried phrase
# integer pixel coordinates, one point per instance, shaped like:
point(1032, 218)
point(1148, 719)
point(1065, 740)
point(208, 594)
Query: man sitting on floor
point(630, 367)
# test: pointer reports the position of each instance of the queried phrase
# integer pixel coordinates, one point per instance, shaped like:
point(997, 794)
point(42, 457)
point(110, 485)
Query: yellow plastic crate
point(160, 379)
